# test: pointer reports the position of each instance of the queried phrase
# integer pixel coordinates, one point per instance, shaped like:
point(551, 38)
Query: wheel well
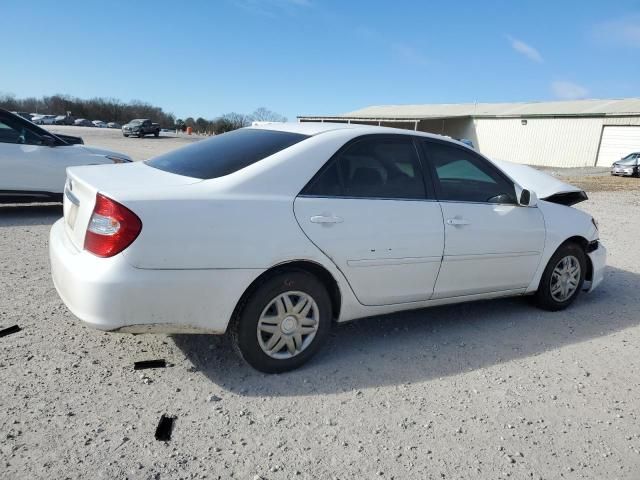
point(583, 243)
point(314, 269)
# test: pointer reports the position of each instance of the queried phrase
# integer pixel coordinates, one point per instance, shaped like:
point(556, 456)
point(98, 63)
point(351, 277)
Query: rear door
point(370, 211)
point(492, 244)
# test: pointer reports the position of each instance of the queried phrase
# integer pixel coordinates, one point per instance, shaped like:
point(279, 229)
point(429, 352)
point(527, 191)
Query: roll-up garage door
point(617, 142)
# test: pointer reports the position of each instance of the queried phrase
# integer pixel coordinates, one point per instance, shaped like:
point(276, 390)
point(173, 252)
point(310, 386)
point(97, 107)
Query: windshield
point(136, 122)
point(226, 153)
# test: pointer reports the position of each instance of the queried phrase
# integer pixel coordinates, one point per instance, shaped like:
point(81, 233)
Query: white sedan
point(273, 232)
point(44, 119)
point(33, 161)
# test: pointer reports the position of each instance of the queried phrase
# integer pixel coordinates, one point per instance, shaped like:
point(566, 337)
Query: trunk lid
point(547, 187)
point(83, 183)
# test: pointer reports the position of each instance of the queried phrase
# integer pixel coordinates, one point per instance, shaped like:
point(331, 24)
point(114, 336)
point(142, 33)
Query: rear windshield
point(225, 154)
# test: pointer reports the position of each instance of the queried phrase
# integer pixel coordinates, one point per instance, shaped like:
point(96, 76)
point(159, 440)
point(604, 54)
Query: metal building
point(575, 133)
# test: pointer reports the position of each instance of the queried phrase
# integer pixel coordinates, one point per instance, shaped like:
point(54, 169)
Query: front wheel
point(562, 279)
point(283, 323)
point(125, 134)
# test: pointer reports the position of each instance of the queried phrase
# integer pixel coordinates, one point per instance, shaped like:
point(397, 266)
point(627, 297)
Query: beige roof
point(571, 108)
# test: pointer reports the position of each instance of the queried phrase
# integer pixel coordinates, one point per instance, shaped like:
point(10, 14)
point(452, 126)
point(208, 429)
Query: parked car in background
point(25, 115)
point(99, 124)
point(113, 125)
point(271, 233)
point(628, 166)
point(83, 122)
point(140, 127)
point(33, 160)
point(63, 120)
point(44, 119)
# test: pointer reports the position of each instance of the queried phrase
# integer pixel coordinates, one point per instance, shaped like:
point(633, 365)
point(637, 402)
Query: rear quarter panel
point(224, 231)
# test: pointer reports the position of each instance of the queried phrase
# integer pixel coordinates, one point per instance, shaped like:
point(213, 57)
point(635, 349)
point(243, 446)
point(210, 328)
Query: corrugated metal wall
point(553, 142)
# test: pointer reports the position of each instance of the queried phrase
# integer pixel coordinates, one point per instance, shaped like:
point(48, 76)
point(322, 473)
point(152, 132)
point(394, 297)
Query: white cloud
point(622, 32)
point(525, 49)
point(409, 54)
point(568, 90)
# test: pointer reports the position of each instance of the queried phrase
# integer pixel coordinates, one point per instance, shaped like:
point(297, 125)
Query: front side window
point(374, 167)
point(226, 153)
point(463, 176)
point(12, 131)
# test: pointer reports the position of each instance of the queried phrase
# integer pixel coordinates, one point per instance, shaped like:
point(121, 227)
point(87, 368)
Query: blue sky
point(205, 58)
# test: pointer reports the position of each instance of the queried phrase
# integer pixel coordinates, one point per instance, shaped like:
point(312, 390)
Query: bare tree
point(265, 115)
point(106, 109)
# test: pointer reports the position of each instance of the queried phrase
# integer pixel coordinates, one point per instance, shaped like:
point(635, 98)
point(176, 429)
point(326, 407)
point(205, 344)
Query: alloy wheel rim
point(565, 278)
point(288, 325)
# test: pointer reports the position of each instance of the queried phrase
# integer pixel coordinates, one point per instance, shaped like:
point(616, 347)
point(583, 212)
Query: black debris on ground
point(164, 428)
point(9, 330)
point(144, 364)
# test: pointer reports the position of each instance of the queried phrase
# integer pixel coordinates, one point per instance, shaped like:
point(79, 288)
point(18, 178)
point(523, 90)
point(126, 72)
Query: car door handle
point(458, 221)
point(326, 219)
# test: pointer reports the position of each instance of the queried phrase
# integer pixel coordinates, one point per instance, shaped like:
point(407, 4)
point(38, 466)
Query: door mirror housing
point(528, 198)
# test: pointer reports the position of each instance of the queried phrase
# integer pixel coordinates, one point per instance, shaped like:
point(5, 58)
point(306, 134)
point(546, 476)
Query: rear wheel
point(562, 279)
point(283, 323)
point(156, 133)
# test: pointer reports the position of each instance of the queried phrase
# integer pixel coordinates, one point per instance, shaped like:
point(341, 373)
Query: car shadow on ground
point(426, 344)
point(29, 214)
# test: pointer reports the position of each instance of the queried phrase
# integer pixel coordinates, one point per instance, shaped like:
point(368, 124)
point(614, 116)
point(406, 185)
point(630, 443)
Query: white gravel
point(485, 390)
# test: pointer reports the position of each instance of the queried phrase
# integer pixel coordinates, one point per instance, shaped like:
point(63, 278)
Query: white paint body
point(203, 242)
point(39, 168)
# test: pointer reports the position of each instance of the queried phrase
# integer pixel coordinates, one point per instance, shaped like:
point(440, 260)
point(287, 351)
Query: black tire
point(543, 297)
point(125, 134)
point(156, 133)
point(140, 135)
point(244, 328)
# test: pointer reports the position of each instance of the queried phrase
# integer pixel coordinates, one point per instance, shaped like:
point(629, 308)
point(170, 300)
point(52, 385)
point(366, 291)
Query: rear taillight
point(112, 228)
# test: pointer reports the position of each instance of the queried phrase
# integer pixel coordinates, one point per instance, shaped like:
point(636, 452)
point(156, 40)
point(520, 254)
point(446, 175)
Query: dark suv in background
point(140, 127)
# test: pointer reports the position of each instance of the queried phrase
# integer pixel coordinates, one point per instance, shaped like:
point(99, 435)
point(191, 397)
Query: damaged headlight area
point(117, 159)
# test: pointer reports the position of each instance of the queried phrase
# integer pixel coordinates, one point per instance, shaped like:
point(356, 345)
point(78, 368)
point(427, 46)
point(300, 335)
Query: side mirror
point(528, 198)
point(48, 141)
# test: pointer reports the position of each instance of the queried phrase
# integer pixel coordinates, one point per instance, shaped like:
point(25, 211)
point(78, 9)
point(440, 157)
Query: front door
point(492, 244)
point(26, 165)
point(369, 211)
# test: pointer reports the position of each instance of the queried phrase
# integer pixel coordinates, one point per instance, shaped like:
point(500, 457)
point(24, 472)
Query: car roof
point(316, 128)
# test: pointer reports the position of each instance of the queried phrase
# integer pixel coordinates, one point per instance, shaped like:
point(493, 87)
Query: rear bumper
point(110, 294)
point(598, 262)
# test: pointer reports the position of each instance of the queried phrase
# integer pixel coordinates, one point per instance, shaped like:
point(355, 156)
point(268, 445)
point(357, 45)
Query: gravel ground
point(136, 148)
point(491, 390)
point(595, 179)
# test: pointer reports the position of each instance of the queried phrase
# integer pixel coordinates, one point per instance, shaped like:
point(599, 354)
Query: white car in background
point(273, 232)
point(33, 161)
point(44, 119)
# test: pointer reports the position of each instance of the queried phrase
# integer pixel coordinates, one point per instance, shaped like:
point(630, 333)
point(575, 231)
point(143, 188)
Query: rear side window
point(375, 167)
point(224, 154)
